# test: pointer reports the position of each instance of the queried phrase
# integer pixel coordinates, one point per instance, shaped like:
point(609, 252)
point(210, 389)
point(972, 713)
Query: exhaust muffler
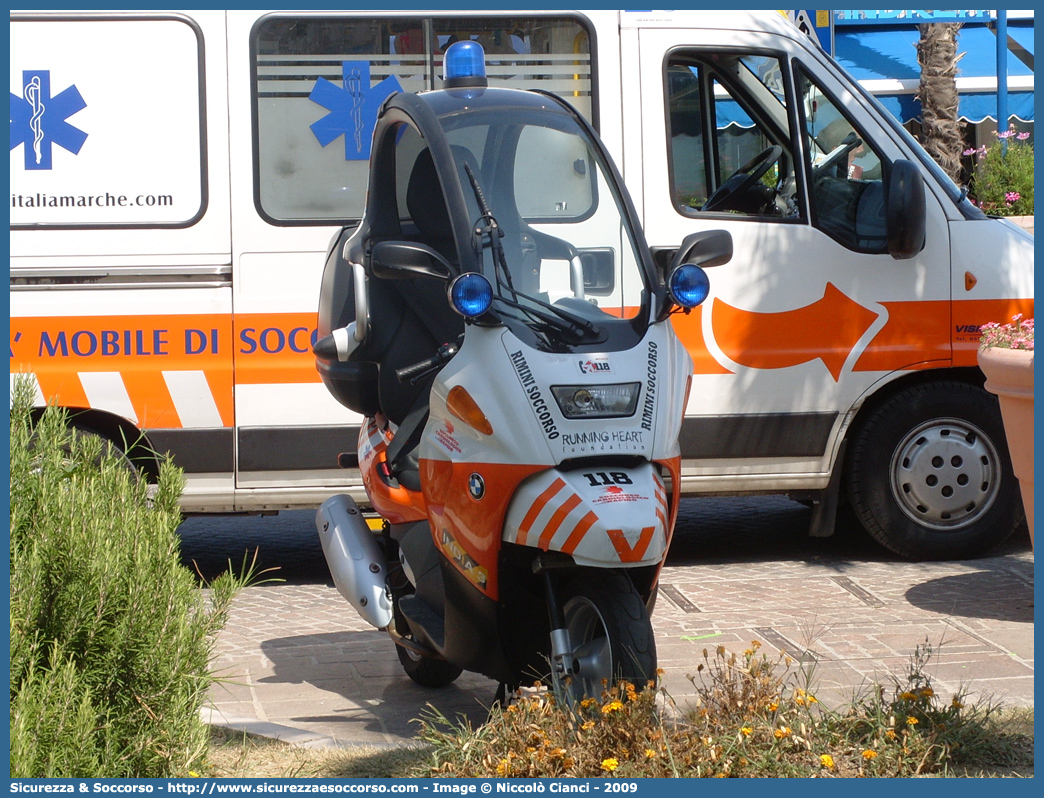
point(355, 559)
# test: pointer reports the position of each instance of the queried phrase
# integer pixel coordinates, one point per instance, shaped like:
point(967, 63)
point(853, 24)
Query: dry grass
point(757, 718)
point(238, 755)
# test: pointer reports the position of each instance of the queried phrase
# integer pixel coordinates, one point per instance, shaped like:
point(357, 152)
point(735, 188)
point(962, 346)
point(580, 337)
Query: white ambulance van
point(177, 177)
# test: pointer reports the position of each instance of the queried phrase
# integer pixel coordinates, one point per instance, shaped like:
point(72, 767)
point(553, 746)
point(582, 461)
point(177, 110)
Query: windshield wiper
point(579, 330)
point(579, 327)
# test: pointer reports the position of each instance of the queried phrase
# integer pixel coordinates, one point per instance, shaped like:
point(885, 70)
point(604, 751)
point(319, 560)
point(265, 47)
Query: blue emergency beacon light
point(464, 66)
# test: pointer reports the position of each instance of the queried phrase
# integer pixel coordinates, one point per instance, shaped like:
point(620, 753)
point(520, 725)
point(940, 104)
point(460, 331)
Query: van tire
point(929, 473)
point(108, 449)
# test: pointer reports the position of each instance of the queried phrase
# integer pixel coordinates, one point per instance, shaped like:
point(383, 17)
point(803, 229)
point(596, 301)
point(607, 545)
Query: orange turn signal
point(463, 406)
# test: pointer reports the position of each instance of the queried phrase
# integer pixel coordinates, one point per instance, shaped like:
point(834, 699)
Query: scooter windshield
point(557, 243)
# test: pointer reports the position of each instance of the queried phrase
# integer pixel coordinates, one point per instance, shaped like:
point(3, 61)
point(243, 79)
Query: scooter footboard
point(600, 516)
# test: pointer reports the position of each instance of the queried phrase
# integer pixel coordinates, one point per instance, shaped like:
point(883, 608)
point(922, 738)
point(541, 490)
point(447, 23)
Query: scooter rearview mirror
point(399, 260)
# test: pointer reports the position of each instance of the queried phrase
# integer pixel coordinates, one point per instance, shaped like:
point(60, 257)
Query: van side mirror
point(905, 210)
point(706, 248)
point(398, 260)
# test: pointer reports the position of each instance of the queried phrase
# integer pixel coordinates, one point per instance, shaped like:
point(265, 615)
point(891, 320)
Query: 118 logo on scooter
point(596, 365)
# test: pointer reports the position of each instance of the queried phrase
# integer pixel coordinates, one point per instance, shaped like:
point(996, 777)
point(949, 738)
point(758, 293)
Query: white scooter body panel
point(615, 516)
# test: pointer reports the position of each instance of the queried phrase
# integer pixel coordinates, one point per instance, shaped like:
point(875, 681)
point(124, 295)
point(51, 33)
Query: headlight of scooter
point(617, 400)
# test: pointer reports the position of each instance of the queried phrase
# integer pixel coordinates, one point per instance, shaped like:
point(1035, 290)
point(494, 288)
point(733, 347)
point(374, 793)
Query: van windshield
point(562, 253)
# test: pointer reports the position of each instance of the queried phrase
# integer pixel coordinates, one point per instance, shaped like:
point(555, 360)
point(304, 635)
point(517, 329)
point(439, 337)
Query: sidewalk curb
point(299, 738)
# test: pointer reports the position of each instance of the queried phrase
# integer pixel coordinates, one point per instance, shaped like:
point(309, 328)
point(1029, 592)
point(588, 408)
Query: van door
point(120, 245)
point(306, 90)
point(812, 311)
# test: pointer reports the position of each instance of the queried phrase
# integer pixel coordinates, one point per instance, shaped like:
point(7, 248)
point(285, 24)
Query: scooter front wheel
point(610, 633)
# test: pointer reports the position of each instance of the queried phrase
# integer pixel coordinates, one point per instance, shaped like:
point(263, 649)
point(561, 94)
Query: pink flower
point(1022, 136)
point(969, 151)
point(1017, 335)
point(1012, 196)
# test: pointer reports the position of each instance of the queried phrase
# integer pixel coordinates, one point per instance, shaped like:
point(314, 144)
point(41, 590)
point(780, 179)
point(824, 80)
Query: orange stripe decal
point(556, 520)
point(150, 398)
point(578, 533)
point(61, 388)
point(534, 511)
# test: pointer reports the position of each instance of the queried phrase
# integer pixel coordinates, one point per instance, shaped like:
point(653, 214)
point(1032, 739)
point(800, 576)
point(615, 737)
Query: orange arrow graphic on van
point(828, 329)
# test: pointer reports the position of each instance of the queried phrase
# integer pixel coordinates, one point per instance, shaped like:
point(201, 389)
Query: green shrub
point(111, 637)
point(1002, 182)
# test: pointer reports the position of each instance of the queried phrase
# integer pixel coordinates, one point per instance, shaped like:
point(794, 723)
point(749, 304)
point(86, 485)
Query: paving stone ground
point(298, 663)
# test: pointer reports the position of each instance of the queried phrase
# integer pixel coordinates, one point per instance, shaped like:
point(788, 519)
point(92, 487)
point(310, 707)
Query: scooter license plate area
point(605, 516)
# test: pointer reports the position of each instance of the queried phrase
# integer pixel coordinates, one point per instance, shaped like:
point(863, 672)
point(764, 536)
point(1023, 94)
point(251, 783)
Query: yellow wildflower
point(512, 708)
point(890, 734)
point(927, 692)
point(503, 768)
point(912, 721)
point(568, 762)
point(588, 724)
point(956, 703)
point(755, 644)
point(826, 760)
point(908, 696)
point(782, 732)
point(587, 702)
point(746, 731)
point(612, 706)
point(610, 764)
point(869, 755)
point(773, 706)
point(650, 754)
point(660, 671)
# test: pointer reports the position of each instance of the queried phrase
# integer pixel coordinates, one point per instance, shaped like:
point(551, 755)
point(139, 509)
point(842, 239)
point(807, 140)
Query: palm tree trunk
point(941, 133)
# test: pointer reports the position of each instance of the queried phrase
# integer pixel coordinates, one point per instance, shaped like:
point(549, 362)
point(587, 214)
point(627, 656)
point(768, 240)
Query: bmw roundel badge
point(476, 487)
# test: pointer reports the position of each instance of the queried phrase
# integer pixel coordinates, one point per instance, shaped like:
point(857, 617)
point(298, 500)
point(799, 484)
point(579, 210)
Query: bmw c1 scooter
point(497, 319)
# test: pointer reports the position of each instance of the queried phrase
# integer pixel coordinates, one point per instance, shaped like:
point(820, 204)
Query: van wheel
point(108, 448)
point(929, 474)
point(610, 633)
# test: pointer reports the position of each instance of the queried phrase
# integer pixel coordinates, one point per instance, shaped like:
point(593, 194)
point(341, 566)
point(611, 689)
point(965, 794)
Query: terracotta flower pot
point(1009, 375)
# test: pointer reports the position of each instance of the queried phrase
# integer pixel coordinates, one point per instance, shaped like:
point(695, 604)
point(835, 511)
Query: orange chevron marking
point(624, 549)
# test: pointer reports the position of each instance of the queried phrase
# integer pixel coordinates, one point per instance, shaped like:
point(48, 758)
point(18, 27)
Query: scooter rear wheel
point(611, 635)
point(427, 671)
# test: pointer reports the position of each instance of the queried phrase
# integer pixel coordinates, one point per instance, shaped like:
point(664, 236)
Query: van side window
point(319, 81)
point(845, 174)
point(745, 167)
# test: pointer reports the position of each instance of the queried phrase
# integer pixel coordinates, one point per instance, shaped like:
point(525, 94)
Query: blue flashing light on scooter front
point(689, 285)
point(471, 295)
point(464, 66)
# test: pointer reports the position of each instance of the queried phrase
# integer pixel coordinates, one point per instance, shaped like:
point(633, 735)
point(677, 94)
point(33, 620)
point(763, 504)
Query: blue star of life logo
point(353, 108)
point(38, 119)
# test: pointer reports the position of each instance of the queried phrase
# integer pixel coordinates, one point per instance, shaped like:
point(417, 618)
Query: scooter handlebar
point(414, 373)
